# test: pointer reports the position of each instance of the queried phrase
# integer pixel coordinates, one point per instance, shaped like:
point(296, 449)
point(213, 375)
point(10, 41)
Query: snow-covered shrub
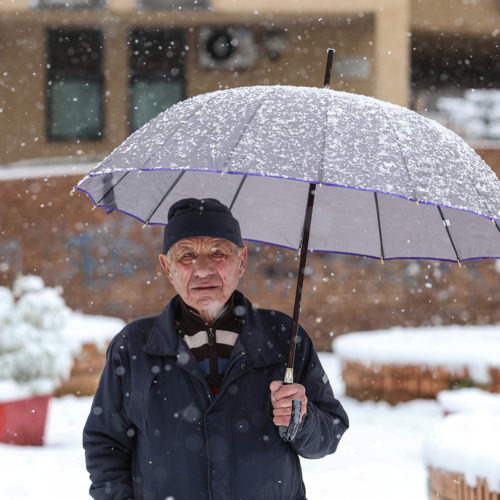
point(35, 353)
point(6, 303)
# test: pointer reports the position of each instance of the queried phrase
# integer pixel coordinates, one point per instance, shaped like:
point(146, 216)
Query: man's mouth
point(204, 287)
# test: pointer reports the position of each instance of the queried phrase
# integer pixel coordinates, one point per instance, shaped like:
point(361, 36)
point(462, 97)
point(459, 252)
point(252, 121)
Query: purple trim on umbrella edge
point(284, 178)
point(310, 250)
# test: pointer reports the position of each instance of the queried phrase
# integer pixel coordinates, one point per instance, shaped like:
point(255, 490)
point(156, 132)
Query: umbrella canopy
point(391, 183)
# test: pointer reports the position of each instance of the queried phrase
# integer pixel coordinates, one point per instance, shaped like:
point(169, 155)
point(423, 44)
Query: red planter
point(22, 421)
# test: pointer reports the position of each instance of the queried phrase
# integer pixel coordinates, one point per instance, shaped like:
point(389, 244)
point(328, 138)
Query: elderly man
point(190, 400)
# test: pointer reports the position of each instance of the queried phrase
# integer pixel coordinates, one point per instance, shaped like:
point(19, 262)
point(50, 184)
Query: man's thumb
point(275, 385)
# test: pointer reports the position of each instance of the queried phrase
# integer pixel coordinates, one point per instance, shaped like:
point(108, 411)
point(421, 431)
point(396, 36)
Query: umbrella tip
point(145, 225)
point(94, 207)
point(72, 192)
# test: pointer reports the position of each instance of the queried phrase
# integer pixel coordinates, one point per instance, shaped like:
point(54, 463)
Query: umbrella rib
point(382, 254)
point(446, 223)
point(172, 186)
point(254, 112)
point(113, 187)
point(155, 150)
point(240, 185)
point(398, 142)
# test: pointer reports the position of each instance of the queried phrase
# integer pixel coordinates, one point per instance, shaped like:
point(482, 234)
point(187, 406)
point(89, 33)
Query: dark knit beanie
point(190, 218)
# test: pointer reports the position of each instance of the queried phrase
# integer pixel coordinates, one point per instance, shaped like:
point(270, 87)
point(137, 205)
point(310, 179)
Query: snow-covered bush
point(35, 353)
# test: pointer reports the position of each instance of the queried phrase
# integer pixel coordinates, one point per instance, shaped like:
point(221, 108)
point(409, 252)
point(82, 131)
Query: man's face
point(205, 272)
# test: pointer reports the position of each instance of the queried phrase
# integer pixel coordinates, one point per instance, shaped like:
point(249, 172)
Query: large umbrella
point(385, 182)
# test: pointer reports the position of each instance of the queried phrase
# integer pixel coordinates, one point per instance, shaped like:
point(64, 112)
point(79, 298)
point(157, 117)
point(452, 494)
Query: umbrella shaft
point(328, 71)
point(300, 277)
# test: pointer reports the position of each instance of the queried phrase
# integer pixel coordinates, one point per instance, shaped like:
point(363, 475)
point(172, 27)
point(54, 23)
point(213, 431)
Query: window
point(173, 4)
point(455, 61)
point(156, 73)
point(74, 85)
point(456, 81)
point(70, 4)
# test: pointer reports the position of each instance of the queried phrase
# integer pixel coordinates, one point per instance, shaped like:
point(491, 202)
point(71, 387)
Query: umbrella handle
point(288, 433)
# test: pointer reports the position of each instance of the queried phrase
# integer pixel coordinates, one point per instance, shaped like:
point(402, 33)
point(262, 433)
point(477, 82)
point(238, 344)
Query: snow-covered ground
point(380, 457)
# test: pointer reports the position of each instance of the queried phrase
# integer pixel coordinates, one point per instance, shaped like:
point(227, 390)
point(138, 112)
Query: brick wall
point(108, 265)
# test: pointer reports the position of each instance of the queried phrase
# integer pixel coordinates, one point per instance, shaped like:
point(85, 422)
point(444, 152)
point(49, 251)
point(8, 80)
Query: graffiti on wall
point(112, 251)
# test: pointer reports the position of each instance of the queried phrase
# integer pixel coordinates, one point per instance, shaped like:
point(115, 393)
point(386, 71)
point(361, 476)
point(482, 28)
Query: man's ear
point(165, 264)
point(243, 261)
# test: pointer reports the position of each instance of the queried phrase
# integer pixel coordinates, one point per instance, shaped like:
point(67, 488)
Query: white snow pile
point(93, 329)
point(453, 347)
point(35, 352)
point(476, 115)
point(467, 400)
point(467, 443)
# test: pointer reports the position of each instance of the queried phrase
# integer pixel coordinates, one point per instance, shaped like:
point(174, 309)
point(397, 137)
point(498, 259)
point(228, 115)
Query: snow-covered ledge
point(461, 454)
point(45, 167)
point(466, 400)
point(401, 364)
point(92, 334)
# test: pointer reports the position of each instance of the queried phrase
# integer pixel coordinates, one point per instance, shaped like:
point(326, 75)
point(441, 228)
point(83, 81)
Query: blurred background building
point(78, 76)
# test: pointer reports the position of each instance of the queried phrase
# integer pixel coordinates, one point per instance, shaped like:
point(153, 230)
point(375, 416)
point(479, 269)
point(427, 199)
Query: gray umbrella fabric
point(391, 184)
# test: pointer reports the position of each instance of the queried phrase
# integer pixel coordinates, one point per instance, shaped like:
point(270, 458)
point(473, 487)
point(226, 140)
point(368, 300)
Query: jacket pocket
point(139, 403)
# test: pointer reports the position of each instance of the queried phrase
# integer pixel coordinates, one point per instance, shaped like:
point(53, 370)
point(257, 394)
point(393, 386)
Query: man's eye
point(187, 256)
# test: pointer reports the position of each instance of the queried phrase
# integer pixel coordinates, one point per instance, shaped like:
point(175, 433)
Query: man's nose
point(203, 266)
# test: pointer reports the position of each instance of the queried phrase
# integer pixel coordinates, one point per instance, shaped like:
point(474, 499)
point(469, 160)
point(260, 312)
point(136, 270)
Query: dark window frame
point(55, 74)
point(174, 5)
point(73, 5)
point(159, 73)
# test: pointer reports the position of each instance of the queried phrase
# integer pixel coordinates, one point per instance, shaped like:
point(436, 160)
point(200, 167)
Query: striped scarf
point(211, 345)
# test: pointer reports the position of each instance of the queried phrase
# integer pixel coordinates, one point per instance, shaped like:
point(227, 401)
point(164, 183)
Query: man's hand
point(281, 399)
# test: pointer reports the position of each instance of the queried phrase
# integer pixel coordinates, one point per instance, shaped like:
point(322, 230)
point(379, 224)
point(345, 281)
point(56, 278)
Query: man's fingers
point(275, 386)
point(280, 390)
point(282, 421)
point(282, 412)
point(281, 403)
point(281, 400)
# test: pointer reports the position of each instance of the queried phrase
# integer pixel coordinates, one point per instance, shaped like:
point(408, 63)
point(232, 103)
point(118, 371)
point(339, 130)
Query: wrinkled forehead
point(202, 243)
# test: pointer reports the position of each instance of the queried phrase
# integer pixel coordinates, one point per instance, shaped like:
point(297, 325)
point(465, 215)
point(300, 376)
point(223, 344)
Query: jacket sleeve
point(326, 420)
point(108, 434)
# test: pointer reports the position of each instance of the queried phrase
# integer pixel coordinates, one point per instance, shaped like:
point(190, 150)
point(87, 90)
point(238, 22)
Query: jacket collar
point(163, 339)
point(257, 342)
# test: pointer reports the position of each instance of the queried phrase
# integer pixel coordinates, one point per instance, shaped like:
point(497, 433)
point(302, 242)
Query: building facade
point(78, 76)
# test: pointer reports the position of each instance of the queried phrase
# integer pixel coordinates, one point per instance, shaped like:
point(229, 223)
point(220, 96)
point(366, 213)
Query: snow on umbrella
point(392, 184)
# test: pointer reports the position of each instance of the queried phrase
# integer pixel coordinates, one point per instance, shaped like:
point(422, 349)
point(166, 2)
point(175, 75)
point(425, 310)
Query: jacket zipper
point(228, 369)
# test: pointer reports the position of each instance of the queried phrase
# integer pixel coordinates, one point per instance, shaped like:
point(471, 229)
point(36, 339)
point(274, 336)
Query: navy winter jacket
point(156, 432)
